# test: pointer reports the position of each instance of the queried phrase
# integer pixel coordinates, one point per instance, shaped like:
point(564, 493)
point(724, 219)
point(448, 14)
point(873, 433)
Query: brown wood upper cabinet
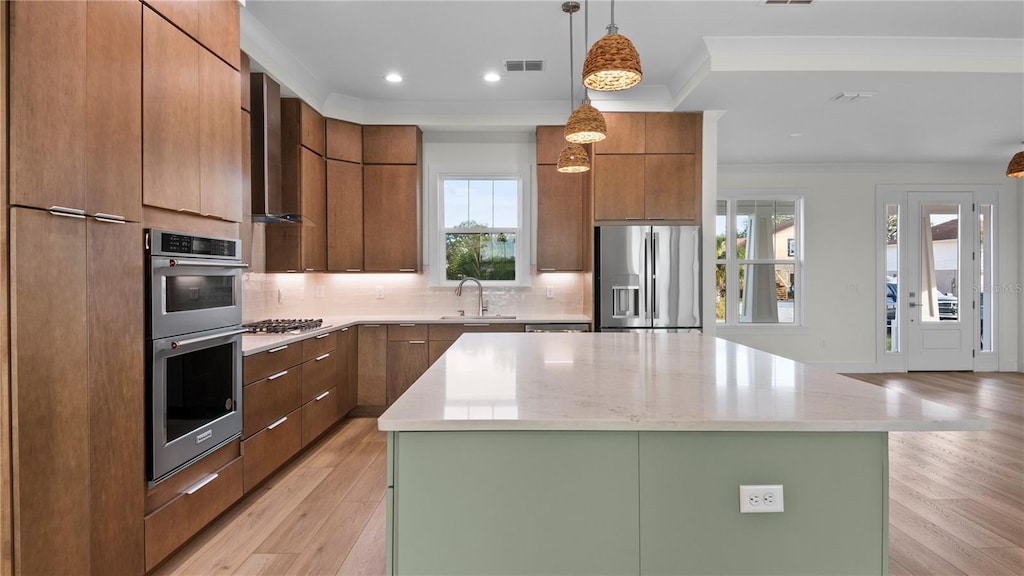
point(344, 216)
point(550, 141)
point(626, 133)
point(191, 146)
point(301, 124)
point(392, 144)
point(649, 168)
point(344, 141)
point(560, 210)
point(301, 247)
point(212, 23)
point(93, 122)
point(672, 132)
point(304, 191)
point(391, 218)
point(244, 69)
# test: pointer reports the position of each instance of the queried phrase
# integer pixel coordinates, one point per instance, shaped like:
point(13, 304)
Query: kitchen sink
point(477, 318)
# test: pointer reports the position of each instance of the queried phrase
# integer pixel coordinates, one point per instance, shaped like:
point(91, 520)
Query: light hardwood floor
point(956, 498)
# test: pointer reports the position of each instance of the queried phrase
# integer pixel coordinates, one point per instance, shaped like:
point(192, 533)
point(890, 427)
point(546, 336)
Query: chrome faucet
point(481, 303)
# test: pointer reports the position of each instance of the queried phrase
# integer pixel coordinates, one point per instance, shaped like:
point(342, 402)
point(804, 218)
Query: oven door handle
point(178, 262)
point(190, 341)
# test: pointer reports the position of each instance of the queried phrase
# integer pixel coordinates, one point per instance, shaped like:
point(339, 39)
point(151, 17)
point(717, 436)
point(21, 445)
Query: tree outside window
point(481, 224)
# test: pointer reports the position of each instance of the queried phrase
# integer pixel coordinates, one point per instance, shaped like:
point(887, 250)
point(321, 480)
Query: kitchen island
point(623, 454)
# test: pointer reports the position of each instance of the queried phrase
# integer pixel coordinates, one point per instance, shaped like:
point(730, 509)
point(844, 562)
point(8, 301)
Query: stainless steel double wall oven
point(194, 344)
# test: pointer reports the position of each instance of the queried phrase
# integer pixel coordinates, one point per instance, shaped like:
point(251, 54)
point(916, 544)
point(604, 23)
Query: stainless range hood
point(267, 195)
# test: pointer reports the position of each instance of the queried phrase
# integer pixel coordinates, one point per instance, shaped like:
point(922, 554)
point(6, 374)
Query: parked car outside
point(948, 304)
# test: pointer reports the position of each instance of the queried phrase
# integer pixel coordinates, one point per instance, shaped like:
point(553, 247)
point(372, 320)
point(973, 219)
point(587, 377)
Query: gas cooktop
point(283, 326)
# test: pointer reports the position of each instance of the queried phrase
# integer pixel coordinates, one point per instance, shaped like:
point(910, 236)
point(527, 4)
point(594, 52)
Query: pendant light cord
point(572, 85)
point(612, 28)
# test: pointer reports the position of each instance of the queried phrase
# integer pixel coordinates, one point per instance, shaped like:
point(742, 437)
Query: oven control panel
point(164, 243)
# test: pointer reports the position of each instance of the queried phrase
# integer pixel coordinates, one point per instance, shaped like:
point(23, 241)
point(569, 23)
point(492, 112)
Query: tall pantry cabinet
point(84, 97)
point(75, 286)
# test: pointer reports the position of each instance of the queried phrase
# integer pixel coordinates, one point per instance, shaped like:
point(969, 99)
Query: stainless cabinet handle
point(278, 423)
point(406, 269)
point(278, 349)
point(417, 341)
point(104, 217)
point(372, 325)
point(66, 212)
point(319, 358)
point(407, 325)
point(310, 269)
point(109, 220)
point(344, 329)
point(322, 396)
point(353, 270)
point(476, 324)
point(187, 211)
point(323, 336)
point(546, 269)
point(205, 338)
point(195, 487)
point(278, 375)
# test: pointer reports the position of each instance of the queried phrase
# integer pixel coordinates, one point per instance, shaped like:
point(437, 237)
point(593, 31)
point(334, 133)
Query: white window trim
point(731, 197)
point(436, 232)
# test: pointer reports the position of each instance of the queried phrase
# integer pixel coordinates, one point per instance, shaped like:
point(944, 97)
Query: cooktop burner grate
point(283, 326)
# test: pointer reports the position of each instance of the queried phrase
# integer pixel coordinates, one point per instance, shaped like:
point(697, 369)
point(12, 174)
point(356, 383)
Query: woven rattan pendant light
point(573, 157)
point(586, 124)
point(613, 62)
point(1015, 169)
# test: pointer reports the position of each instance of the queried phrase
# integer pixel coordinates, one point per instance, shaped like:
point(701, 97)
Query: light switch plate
point(379, 292)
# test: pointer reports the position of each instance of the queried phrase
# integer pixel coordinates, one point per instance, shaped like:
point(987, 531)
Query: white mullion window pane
point(456, 202)
point(480, 228)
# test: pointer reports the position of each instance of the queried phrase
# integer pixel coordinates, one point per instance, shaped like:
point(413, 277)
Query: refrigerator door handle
point(653, 271)
point(646, 281)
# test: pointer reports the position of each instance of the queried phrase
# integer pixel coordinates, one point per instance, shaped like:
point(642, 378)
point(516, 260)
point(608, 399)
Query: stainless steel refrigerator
point(647, 278)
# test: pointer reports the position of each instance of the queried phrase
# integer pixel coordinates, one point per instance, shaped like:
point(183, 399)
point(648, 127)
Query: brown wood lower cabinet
point(435, 348)
point(319, 374)
point(170, 526)
point(318, 415)
point(265, 451)
point(267, 400)
point(407, 361)
point(373, 357)
point(348, 370)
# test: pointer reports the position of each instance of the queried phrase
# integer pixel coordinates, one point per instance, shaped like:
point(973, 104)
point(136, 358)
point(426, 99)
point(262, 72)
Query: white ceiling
point(948, 77)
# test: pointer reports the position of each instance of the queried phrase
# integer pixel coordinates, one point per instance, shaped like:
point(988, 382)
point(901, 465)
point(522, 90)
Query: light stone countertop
point(630, 381)
point(255, 343)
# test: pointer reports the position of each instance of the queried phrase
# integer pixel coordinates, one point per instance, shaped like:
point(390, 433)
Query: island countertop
point(631, 381)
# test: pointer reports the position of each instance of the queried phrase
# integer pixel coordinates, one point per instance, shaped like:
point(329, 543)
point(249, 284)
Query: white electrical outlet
point(763, 498)
point(318, 292)
point(379, 291)
point(549, 292)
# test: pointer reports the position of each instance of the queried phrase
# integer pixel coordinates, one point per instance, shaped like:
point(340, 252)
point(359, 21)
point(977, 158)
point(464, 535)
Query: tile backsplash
point(312, 295)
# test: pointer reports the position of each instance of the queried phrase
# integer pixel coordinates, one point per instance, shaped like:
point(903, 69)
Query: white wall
point(840, 304)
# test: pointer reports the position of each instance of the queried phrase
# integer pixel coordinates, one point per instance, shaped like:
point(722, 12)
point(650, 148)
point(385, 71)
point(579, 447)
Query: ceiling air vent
point(524, 65)
point(852, 96)
point(784, 2)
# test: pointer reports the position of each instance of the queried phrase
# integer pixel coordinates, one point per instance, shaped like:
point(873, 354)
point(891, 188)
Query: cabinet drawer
point(318, 345)
point(319, 374)
point(266, 450)
point(268, 400)
point(170, 526)
point(259, 366)
point(400, 332)
point(453, 331)
point(319, 414)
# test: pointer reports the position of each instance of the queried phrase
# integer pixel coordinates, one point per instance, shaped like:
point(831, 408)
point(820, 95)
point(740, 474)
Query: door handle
point(912, 304)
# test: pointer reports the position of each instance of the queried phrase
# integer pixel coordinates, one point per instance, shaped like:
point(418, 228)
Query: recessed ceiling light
point(393, 77)
point(491, 77)
point(796, 134)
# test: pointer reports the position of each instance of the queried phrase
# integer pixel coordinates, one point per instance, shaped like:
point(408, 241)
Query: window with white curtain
point(757, 260)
